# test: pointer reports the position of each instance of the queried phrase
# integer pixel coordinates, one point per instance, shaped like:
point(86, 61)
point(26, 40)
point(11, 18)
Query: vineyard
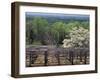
point(57, 39)
point(53, 56)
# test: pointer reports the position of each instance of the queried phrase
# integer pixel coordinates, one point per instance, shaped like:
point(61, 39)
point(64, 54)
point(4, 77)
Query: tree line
point(39, 31)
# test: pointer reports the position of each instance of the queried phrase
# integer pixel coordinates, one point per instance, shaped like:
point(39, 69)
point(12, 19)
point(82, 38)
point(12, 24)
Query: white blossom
point(79, 37)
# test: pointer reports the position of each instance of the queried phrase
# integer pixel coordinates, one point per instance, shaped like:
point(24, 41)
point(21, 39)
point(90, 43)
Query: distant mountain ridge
point(52, 17)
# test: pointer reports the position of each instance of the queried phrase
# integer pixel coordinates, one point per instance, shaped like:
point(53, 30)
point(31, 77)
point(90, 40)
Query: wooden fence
point(70, 54)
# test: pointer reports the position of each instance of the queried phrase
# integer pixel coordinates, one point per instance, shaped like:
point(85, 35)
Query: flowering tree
point(78, 37)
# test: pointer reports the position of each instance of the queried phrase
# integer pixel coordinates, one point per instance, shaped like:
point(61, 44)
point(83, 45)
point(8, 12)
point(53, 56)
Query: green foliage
point(40, 31)
point(58, 31)
point(85, 24)
point(36, 29)
point(71, 25)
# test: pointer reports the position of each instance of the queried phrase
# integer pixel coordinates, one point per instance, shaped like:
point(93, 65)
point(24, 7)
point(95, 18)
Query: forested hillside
point(52, 29)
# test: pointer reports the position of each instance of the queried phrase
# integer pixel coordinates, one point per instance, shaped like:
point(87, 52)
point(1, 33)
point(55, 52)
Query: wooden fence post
point(58, 57)
point(45, 58)
point(30, 59)
point(80, 56)
point(85, 57)
point(72, 58)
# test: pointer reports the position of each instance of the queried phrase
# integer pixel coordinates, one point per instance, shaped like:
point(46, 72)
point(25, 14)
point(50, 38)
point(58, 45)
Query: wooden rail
point(70, 54)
